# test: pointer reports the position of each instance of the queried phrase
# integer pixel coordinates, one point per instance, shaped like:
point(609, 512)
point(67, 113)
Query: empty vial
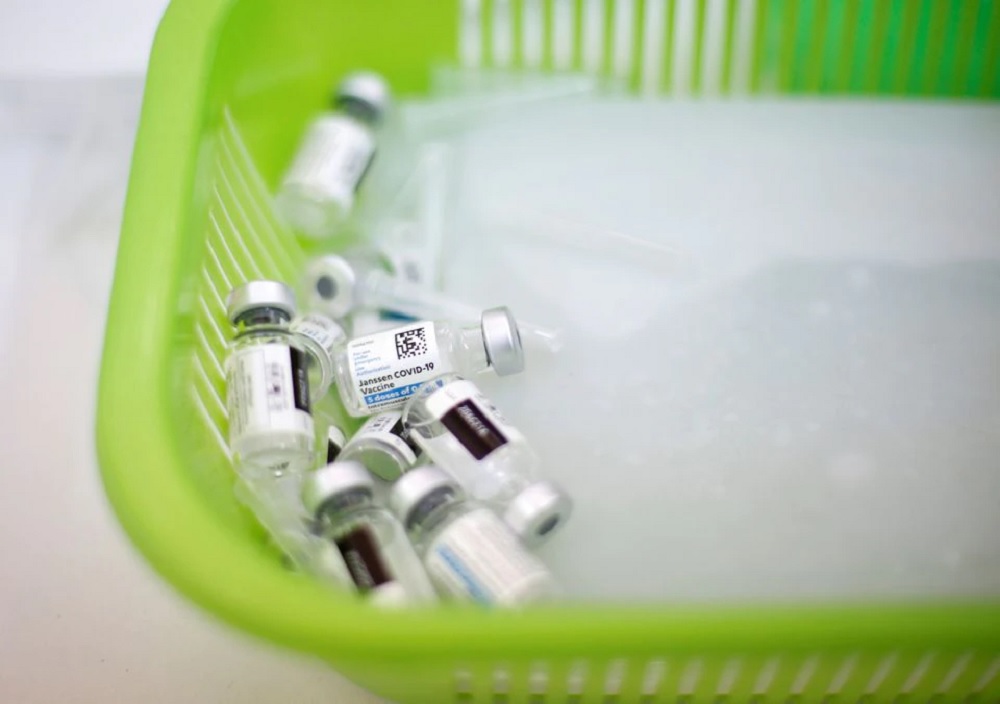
point(463, 433)
point(378, 560)
point(380, 371)
point(317, 193)
point(469, 553)
point(382, 447)
point(270, 425)
point(337, 284)
point(320, 337)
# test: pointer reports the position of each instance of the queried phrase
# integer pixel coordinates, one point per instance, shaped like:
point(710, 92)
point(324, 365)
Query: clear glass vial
point(380, 371)
point(368, 542)
point(270, 423)
point(382, 446)
point(469, 553)
point(337, 284)
point(463, 433)
point(320, 337)
point(317, 193)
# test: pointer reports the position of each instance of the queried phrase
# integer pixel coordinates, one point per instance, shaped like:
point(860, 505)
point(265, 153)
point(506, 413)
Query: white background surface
point(82, 617)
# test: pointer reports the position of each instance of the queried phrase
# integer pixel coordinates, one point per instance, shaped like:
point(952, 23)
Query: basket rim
point(176, 530)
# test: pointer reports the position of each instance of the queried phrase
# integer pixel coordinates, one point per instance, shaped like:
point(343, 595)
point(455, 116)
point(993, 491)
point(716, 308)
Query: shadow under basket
point(231, 85)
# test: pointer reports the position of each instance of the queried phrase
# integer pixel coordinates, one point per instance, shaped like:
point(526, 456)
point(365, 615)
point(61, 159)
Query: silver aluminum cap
point(367, 88)
point(259, 294)
point(332, 480)
point(502, 339)
point(330, 283)
point(538, 512)
point(415, 486)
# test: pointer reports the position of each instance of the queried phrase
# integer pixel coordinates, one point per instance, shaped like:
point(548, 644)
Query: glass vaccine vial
point(469, 553)
point(382, 446)
point(320, 337)
point(270, 424)
point(380, 371)
point(318, 190)
point(463, 433)
point(365, 539)
point(337, 284)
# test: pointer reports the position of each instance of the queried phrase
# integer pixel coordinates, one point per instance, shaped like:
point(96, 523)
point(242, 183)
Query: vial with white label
point(320, 337)
point(270, 423)
point(469, 553)
point(463, 433)
point(382, 446)
point(377, 558)
point(317, 193)
point(380, 371)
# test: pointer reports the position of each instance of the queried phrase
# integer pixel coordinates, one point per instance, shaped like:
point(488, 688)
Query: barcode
point(411, 343)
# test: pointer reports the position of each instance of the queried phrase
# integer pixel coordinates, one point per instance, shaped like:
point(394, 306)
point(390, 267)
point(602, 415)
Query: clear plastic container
point(317, 193)
point(463, 433)
point(270, 423)
point(380, 371)
point(364, 539)
point(469, 553)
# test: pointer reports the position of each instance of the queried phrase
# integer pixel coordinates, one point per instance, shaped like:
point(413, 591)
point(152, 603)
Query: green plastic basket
point(231, 85)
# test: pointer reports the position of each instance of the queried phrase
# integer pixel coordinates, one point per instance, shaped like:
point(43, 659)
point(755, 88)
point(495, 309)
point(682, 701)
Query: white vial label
point(472, 419)
point(388, 367)
point(333, 159)
point(268, 392)
point(320, 329)
point(478, 558)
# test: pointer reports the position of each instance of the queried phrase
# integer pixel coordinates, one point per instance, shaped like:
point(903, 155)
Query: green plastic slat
point(698, 47)
point(666, 72)
point(947, 82)
point(635, 75)
point(915, 82)
point(877, 48)
point(986, 12)
point(760, 36)
point(729, 41)
point(989, 84)
point(905, 16)
point(788, 12)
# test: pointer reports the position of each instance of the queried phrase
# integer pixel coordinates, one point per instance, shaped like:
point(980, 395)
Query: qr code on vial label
point(411, 343)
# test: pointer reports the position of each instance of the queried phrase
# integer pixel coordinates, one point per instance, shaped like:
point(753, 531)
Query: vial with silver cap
point(463, 433)
point(366, 540)
point(382, 446)
point(338, 284)
point(317, 193)
point(469, 553)
point(320, 337)
point(270, 423)
point(380, 371)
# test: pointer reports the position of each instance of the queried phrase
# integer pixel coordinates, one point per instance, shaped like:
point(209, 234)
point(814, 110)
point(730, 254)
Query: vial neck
point(262, 318)
point(431, 509)
point(470, 339)
point(357, 109)
point(340, 505)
